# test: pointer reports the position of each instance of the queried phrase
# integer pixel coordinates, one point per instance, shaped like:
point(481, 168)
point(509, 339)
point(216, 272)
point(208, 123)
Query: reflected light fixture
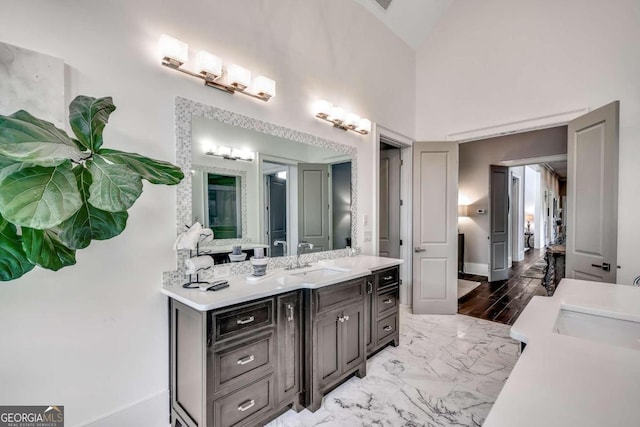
point(228, 152)
point(209, 67)
point(340, 118)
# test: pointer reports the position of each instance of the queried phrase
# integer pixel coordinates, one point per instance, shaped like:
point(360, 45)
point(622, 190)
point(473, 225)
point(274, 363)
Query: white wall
point(93, 337)
point(499, 61)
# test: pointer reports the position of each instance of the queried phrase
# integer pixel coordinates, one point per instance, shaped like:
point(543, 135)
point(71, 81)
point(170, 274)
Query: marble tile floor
point(447, 371)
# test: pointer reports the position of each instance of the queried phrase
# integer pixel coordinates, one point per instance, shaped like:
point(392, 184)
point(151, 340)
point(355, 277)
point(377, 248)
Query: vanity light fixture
point(209, 68)
point(340, 118)
point(228, 153)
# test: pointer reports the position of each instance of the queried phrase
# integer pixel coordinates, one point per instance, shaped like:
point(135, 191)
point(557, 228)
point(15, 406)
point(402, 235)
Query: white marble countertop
point(563, 380)
point(278, 281)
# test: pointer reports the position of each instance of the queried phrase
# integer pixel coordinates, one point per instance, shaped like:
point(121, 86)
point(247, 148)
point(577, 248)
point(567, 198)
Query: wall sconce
point(229, 153)
point(340, 119)
point(233, 79)
point(463, 210)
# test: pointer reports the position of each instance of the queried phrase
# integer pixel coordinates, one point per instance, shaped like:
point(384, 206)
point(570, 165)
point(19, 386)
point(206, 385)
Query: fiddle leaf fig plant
point(58, 193)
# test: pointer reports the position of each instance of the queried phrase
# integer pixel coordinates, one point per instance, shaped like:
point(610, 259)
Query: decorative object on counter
point(259, 262)
point(64, 192)
point(230, 79)
point(197, 262)
point(194, 235)
point(237, 255)
point(340, 118)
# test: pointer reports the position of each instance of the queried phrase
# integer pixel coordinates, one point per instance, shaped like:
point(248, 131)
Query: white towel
point(206, 235)
point(197, 264)
point(190, 238)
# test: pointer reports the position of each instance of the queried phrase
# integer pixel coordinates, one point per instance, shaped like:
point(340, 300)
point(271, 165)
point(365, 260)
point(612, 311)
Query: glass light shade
point(238, 76)
point(208, 147)
point(352, 120)
point(364, 126)
point(223, 151)
point(264, 86)
point(322, 108)
point(174, 49)
point(208, 63)
point(337, 114)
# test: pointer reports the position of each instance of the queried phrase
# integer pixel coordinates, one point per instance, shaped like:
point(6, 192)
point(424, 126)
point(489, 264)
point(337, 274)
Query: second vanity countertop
point(279, 281)
point(565, 380)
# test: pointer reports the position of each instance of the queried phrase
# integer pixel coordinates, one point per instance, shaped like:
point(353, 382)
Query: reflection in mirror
point(219, 204)
point(287, 192)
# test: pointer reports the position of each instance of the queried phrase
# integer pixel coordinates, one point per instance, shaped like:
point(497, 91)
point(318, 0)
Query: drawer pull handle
point(290, 310)
point(387, 278)
point(246, 360)
point(388, 301)
point(246, 320)
point(387, 328)
point(369, 288)
point(247, 405)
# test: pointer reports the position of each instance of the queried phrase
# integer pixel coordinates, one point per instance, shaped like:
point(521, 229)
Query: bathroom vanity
point(246, 354)
point(581, 363)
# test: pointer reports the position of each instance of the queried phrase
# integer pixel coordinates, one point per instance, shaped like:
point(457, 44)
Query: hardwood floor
point(504, 300)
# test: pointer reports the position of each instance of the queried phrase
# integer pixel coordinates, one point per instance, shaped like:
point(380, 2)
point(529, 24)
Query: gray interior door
point(498, 223)
point(313, 205)
point(435, 227)
point(277, 207)
point(592, 195)
point(389, 224)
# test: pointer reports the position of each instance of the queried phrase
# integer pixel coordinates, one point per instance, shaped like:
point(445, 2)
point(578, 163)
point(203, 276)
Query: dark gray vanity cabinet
point(336, 322)
point(289, 346)
point(236, 366)
point(383, 298)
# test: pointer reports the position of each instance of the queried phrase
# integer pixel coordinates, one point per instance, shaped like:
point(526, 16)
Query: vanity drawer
point(333, 296)
point(388, 277)
point(387, 302)
point(242, 319)
point(245, 405)
point(240, 363)
point(387, 327)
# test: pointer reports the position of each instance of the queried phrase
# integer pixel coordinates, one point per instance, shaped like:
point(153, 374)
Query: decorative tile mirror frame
point(185, 109)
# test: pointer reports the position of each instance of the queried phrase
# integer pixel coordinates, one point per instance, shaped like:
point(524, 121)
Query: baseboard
point(476, 268)
point(149, 411)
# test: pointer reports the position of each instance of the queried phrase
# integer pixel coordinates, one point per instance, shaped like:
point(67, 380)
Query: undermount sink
point(320, 274)
point(609, 330)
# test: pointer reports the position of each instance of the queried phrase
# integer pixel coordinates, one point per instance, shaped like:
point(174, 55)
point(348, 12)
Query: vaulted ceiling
point(411, 20)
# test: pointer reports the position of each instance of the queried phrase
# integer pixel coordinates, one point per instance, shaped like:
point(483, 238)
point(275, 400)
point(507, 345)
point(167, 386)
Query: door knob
point(605, 266)
point(417, 249)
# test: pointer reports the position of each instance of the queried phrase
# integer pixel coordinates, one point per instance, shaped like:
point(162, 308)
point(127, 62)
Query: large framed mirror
point(256, 184)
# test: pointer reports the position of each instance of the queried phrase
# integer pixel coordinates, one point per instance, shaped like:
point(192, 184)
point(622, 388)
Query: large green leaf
point(90, 222)
point(88, 116)
point(25, 138)
point(39, 197)
point(154, 171)
point(13, 260)
point(44, 248)
point(114, 187)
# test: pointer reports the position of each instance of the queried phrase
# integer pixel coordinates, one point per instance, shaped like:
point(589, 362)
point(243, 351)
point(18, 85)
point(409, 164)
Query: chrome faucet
point(284, 245)
point(301, 247)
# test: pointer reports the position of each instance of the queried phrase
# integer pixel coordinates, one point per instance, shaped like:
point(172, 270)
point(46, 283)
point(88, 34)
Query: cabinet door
point(370, 315)
point(328, 347)
point(353, 336)
point(288, 345)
